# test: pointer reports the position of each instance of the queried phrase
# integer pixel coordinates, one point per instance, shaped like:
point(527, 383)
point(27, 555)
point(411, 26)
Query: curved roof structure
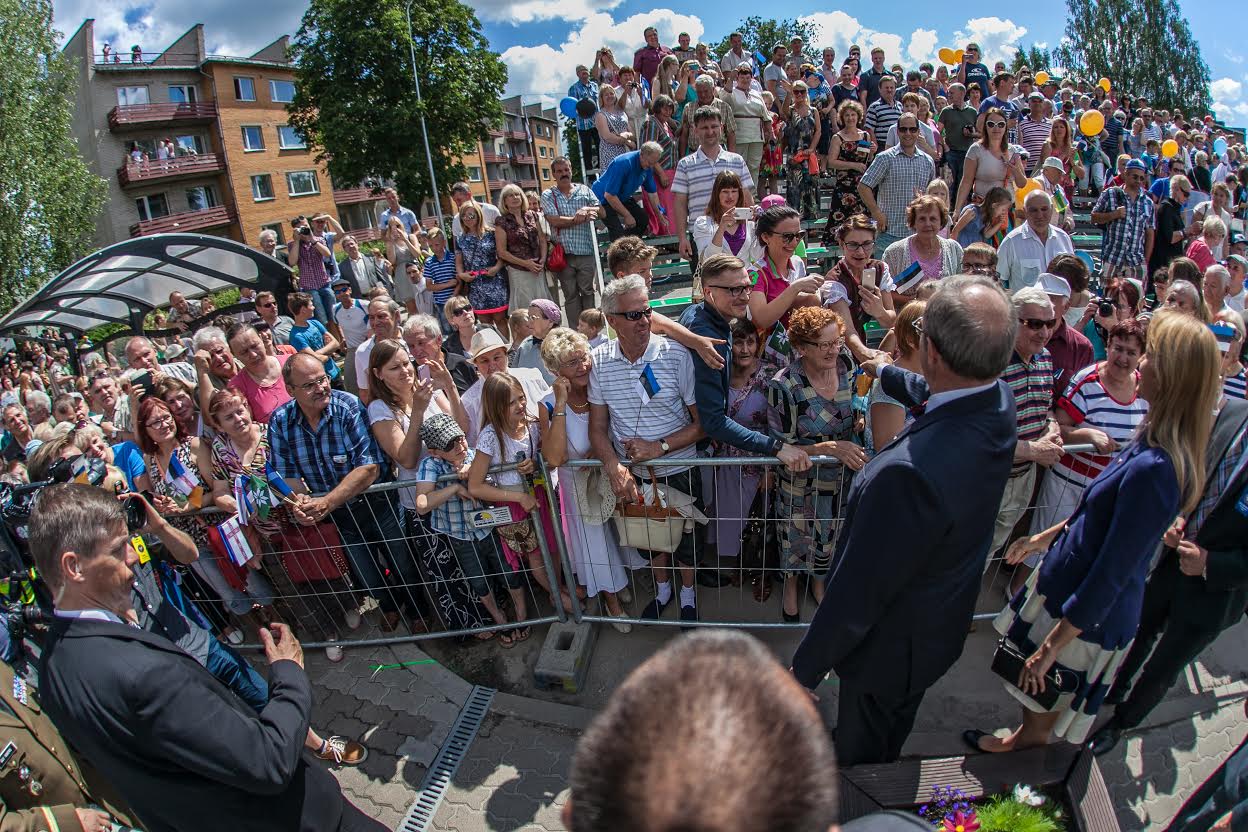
point(126, 281)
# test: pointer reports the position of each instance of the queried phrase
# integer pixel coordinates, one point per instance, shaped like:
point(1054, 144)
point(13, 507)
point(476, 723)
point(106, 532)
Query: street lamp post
point(424, 130)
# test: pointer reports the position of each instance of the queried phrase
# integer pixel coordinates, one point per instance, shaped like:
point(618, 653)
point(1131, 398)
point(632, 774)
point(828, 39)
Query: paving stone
point(418, 751)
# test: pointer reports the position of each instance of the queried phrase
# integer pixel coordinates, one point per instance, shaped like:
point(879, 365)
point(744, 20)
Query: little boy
point(591, 323)
point(450, 509)
point(307, 333)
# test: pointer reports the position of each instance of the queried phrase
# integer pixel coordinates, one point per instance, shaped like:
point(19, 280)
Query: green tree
point(760, 35)
point(1143, 46)
point(572, 148)
point(48, 196)
point(1033, 57)
point(355, 100)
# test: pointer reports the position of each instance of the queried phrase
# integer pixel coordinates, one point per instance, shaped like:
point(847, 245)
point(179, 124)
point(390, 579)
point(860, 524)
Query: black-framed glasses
point(635, 315)
point(460, 312)
point(1037, 324)
point(734, 291)
point(907, 129)
point(851, 245)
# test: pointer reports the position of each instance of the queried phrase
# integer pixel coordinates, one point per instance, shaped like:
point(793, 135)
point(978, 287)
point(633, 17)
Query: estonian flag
point(647, 385)
point(1224, 333)
point(276, 482)
point(910, 278)
point(184, 482)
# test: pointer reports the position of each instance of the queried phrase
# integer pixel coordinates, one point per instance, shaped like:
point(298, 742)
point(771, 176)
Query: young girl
point(987, 222)
point(591, 323)
point(508, 437)
point(939, 188)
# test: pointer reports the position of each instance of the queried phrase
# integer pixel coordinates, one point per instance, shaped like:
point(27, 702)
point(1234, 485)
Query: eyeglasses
point(789, 236)
point(313, 384)
point(268, 305)
point(907, 129)
point(734, 291)
point(634, 316)
point(1037, 324)
point(577, 360)
point(827, 346)
point(460, 312)
point(856, 246)
point(995, 125)
point(339, 290)
point(160, 421)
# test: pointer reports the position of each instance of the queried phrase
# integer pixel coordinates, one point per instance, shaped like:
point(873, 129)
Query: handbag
point(1008, 662)
point(556, 258)
point(653, 527)
point(312, 553)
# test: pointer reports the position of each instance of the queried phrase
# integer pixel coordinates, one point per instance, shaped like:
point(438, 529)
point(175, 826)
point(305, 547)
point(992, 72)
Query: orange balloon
point(1042, 77)
point(1104, 84)
point(946, 56)
point(1020, 196)
point(1169, 148)
point(1092, 123)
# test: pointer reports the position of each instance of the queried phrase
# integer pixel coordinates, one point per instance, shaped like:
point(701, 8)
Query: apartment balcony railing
point(138, 173)
point(125, 116)
point(184, 221)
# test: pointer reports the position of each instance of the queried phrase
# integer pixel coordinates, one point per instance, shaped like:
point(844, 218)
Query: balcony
point(353, 196)
point(365, 235)
point(522, 159)
point(125, 116)
point(496, 133)
point(501, 158)
point(527, 184)
point(185, 221)
point(517, 135)
point(140, 173)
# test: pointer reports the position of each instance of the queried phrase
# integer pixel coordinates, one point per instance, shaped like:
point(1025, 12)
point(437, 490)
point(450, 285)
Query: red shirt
point(1071, 352)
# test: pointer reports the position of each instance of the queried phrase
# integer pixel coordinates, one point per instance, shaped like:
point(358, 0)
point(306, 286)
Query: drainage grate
point(420, 816)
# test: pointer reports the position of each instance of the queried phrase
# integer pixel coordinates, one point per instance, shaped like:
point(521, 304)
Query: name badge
point(339, 459)
point(487, 518)
point(7, 754)
point(140, 548)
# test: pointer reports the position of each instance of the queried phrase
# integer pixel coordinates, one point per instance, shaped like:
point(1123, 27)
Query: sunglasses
point(633, 316)
point(995, 125)
point(789, 236)
point(907, 129)
point(1037, 324)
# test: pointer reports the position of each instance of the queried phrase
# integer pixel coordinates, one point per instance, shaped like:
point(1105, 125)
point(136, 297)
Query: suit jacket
point(182, 749)
point(906, 572)
point(39, 747)
point(1217, 600)
point(363, 275)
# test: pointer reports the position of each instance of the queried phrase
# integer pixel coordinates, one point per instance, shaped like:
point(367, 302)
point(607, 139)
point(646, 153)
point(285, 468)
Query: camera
point(1104, 308)
point(306, 230)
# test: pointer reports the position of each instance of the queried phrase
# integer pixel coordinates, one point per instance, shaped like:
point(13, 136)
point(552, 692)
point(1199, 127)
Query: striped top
point(1032, 385)
point(695, 177)
point(440, 271)
point(616, 382)
point(1032, 134)
point(1089, 404)
point(880, 118)
point(1236, 386)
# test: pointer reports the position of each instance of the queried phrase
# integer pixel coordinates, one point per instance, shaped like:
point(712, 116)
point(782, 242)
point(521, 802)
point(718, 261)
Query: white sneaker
point(334, 653)
point(234, 636)
point(353, 619)
point(622, 627)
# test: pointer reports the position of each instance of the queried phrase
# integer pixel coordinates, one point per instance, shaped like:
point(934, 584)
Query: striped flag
point(647, 384)
point(910, 278)
point(276, 482)
point(235, 542)
point(1059, 200)
point(184, 481)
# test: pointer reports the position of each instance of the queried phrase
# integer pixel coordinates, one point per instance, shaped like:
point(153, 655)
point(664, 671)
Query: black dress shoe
point(790, 617)
point(1104, 740)
point(688, 614)
point(713, 578)
point(653, 610)
point(972, 736)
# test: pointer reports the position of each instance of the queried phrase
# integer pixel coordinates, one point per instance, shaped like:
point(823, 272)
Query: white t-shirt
point(513, 450)
point(379, 411)
point(354, 322)
point(535, 389)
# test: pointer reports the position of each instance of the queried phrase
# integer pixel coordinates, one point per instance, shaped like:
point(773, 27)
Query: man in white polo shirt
point(695, 176)
point(1026, 250)
point(643, 408)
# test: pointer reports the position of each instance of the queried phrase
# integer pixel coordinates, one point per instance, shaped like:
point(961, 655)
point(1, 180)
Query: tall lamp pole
point(424, 130)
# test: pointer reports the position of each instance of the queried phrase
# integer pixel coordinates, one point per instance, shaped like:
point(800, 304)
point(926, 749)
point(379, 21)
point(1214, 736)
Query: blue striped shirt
point(1089, 404)
point(440, 271)
point(1236, 386)
point(324, 457)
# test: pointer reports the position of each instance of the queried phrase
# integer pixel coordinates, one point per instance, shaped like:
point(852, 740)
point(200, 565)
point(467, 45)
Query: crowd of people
point(360, 432)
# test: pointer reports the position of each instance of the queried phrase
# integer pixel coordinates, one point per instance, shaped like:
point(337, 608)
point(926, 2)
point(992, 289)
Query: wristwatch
point(666, 447)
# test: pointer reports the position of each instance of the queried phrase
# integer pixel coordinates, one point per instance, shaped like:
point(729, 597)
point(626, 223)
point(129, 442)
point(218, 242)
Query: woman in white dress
point(597, 558)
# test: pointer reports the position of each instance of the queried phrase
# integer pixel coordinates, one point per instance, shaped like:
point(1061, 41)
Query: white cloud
point(923, 46)
point(227, 30)
point(997, 38)
point(1228, 100)
point(546, 70)
point(527, 11)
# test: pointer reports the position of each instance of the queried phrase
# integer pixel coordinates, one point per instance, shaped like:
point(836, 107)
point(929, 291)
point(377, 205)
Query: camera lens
point(136, 515)
point(1106, 308)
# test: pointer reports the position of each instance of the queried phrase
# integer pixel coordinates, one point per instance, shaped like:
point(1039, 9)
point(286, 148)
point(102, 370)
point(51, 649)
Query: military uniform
point(41, 783)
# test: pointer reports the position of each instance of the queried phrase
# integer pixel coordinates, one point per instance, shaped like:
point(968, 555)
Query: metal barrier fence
point(766, 533)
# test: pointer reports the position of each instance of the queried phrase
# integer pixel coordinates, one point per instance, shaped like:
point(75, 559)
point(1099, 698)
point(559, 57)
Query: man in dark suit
point(181, 748)
point(1200, 585)
point(907, 567)
point(360, 269)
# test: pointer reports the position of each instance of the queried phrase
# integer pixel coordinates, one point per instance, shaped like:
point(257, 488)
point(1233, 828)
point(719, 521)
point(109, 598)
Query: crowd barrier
point(336, 582)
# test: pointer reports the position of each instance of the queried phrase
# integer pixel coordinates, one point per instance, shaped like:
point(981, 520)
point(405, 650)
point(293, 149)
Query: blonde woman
point(615, 136)
point(477, 266)
point(1082, 606)
point(522, 246)
point(402, 249)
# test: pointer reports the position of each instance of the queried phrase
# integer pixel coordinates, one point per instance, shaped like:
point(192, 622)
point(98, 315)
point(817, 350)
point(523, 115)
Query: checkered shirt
point(1123, 243)
point(323, 458)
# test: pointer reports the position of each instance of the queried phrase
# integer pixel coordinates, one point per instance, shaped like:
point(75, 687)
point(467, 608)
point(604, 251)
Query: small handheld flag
point(910, 278)
point(647, 384)
point(236, 545)
point(276, 482)
point(184, 481)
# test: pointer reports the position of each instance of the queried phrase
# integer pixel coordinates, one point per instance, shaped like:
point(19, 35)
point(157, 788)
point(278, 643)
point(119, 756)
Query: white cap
point(1054, 285)
point(1055, 163)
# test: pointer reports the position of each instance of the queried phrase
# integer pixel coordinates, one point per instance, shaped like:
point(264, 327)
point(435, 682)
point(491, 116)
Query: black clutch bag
point(1008, 662)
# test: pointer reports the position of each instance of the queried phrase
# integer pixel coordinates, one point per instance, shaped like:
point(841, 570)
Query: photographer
point(307, 252)
point(185, 753)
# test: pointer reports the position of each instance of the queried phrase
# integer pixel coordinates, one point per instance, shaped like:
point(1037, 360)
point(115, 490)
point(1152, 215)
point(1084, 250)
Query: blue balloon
point(1219, 146)
point(568, 107)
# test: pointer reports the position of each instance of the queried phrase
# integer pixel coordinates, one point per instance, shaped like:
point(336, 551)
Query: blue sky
point(543, 40)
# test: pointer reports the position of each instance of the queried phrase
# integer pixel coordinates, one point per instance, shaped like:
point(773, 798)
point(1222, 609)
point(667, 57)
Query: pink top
point(1200, 253)
point(263, 400)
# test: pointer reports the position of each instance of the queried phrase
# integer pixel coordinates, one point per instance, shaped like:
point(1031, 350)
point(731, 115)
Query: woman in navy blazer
point(1079, 612)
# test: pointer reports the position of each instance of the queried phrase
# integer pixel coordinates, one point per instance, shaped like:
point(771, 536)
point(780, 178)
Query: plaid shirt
point(577, 239)
point(312, 274)
point(323, 458)
point(454, 517)
point(1123, 243)
point(898, 178)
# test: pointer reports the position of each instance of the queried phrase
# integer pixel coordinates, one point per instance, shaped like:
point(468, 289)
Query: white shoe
point(622, 627)
point(353, 619)
point(334, 653)
point(625, 595)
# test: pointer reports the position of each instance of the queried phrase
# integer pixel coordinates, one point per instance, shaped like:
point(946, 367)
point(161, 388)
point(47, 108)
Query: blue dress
point(1093, 576)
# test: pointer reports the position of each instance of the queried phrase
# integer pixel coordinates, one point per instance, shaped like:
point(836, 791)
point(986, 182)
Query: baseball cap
point(1036, 96)
point(548, 308)
point(1055, 285)
point(342, 281)
point(1237, 238)
point(1239, 258)
point(439, 431)
point(485, 340)
point(1136, 164)
point(1055, 163)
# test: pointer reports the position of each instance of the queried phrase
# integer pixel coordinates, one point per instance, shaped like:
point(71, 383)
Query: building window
point(545, 173)
point(183, 93)
point(189, 145)
point(253, 138)
point(288, 138)
point(262, 187)
point(281, 92)
point(152, 206)
point(277, 228)
point(201, 198)
point(474, 174)
point(244, 88)
point(127, 96)
point(541, 151)
point(302, 183)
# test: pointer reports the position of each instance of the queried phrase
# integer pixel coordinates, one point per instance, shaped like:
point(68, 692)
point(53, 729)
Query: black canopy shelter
point(125, 281)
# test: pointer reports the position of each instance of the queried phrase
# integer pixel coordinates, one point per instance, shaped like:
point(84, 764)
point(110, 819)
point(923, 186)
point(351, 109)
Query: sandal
point(486, 636)
point(521, 634)
point(507, 638)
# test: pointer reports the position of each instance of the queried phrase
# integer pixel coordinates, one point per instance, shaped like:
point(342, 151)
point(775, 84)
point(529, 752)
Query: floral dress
point(227, 464)
point(845, 199)
point(810, 501)
point(486, 294)
point(523, 242)
point(802, 188)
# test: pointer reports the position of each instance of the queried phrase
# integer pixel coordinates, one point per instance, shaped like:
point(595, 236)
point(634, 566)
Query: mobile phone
point(743, 213)
point(143, 382)
point(422, 372)
point(868, 277)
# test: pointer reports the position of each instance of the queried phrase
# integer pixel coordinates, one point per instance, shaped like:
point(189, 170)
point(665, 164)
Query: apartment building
point(190, 141)
point(519, 151)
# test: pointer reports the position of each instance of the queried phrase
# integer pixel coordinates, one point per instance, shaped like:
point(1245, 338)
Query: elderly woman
point(615, 135)
point(260, 379)
point(855, 293)
point(1126, 298)
point(809, 406)
point(634, 98)
point(1079, 612)
point(885, 415)
point(522, 246)
point(1212, 236)
point(402, 249)
point(1185, 297)
point(849, 153)
point(801, 140)
point(597, 559)
point(477, 266)
point(750, 111)
point(1201, 174)
point(990, 162)
point(782, 280)
point(215, 365)
point(935, 256)
point(660, 128)
point(1234, 382)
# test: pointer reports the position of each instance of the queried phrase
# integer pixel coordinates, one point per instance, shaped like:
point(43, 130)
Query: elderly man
point(704, 88)
point(1049, 178)
point(215, 365)
point(39, 408)
point(141, 355)
point(1033, 131)
point(1216, 287)
point(321, 436)
point(897, 174)
point(1069, 348)
point(620, 181)
point(461, 195)
point(957, 122)
point(696, 174)
point(17, 434)
point(570, 208)
point(393, 209)
point(360, 271)
point(1026, 250)
point(268, 244)
point(423, 336)
point(279, 325)
point(1030, 378)
point(182, 311)
point(112, 408)
point(383, 320)
point(488, 352)
point(1127, 213)
point(643, 409)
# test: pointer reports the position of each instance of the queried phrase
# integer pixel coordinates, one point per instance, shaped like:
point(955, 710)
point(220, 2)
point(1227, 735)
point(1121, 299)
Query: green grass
point(1002, 813)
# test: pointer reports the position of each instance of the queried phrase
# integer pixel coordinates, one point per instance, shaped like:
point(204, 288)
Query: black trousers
point(871, 727)
point(615, 224)
point(589, 149)
point(1164, 644)
point(354, 820)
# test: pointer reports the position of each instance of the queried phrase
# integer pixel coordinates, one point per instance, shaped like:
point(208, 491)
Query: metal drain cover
point(420, 816)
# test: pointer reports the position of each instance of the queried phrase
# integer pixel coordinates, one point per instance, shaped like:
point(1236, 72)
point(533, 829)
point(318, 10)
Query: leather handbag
point(653, 526)
point(1008, 662)
point(556, 258)
point(312, 553)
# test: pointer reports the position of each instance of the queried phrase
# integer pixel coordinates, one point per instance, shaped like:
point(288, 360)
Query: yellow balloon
point(958, 55)
point(1092, 123)
point(1104, 84)
point(946, 55)
point(1169, 148)
point(1042, 77)
point(1020, 196)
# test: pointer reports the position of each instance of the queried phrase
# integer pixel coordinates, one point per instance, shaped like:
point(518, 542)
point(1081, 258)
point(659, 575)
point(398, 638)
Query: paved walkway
point(514, 774)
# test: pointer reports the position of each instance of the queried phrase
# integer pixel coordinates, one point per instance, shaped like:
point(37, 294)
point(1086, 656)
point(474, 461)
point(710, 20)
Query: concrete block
point(565, 657)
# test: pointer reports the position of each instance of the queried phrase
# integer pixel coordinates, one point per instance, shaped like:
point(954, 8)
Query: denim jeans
point(371, 529)
point(233, 671)
point(323, 302)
